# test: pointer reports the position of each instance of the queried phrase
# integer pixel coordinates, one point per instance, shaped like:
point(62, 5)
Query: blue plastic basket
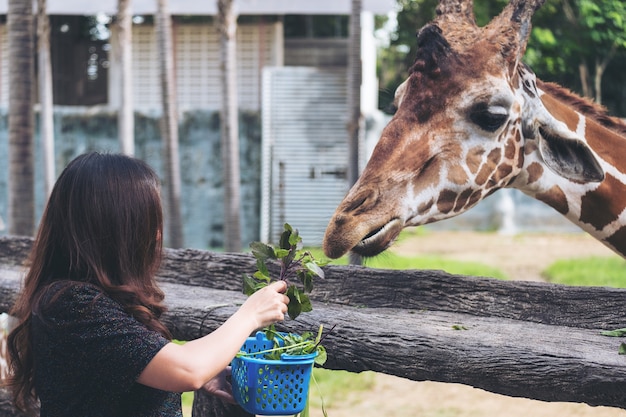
point(271, 387)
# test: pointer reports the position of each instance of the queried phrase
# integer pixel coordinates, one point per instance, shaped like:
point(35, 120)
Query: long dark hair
point(102, 225)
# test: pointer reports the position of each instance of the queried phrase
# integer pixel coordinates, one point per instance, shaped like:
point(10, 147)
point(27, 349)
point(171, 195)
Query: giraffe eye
point(489, 118)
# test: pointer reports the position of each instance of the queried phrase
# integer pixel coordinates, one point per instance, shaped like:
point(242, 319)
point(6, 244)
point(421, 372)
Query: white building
point(292, 70)
point(80, 66)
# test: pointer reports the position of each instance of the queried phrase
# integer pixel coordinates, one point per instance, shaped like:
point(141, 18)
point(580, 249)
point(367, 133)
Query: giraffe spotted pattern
point(471, 119)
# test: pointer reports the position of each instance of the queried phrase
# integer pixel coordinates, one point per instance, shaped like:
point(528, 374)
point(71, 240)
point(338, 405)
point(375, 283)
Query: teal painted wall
point(200, 160)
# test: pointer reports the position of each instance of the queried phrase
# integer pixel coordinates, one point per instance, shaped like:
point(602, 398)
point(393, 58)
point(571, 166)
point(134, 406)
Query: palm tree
point(46, 113)
point(169, 125)
point(125, 117)
point(354, 100)
point(21, 208)
point(227, 27)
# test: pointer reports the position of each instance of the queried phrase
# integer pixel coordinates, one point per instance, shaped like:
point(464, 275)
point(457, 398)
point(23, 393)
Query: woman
point(90, 342)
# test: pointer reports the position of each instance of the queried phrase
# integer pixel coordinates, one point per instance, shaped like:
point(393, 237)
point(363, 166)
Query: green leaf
point(261, 251)
point(294, 238)
point(615, 333)
point(270, 332)
point(261, 266)
point(281, 253)
point(622, 349)
point(284, 238)
point(293, 293)
point(318, 338)
point(294, 309)
point(249, 285)
point(305, 303)
point(307, 281)
point(306, 336)
point(322, 356)
point(314, 268)
point(259, 275)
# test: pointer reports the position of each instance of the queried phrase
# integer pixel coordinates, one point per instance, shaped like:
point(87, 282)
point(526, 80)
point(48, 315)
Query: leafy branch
point(295, 264)
point(298, 268)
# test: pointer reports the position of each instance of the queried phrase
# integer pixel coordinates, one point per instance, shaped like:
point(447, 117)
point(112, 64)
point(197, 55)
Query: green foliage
point(604, 21)
point(292, 344)
point(566, 35)
point(592, 271)
point(296, 264)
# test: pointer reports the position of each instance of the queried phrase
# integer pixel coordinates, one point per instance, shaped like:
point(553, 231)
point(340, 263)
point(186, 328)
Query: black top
point(88, 354)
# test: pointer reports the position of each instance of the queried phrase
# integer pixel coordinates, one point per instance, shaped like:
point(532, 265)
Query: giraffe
point(472, 118)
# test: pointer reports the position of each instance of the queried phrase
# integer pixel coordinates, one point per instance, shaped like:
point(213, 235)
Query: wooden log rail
point(522, 339)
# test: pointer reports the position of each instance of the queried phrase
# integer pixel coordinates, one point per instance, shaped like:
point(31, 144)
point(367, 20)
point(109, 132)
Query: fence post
point(206, 405)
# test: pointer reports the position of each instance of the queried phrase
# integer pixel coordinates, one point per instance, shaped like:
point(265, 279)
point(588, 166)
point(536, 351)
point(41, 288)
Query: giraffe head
point(469, 120)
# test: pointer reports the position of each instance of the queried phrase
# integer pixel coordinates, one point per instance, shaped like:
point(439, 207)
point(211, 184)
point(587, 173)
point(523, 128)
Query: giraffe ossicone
point(472, 118)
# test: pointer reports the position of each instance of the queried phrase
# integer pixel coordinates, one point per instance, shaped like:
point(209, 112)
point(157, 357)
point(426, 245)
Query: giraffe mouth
point(379, 239)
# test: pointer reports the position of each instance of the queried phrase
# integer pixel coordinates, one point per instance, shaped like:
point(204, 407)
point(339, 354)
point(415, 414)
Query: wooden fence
point(521, 339)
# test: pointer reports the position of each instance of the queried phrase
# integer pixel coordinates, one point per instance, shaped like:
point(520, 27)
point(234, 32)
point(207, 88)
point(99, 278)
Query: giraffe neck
point(599, 208)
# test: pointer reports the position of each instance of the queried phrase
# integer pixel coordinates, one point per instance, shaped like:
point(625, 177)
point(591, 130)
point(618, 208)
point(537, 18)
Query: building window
point(79, 49)
point(317, 26)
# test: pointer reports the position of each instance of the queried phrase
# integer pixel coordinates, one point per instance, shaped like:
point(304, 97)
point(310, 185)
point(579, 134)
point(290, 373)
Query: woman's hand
point(268, 305)
point(220, 387)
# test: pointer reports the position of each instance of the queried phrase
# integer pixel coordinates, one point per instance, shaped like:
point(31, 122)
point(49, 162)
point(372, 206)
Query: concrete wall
point(200, 161)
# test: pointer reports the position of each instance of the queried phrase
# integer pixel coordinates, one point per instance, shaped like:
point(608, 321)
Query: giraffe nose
point(337, 239)
point(362, 201)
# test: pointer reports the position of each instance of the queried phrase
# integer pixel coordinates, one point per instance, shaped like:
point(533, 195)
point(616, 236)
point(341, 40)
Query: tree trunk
point(21, 216)
point(583, 72)
point(125, 117)
point(354, 101)
point(205, 405)
point(46, 102)
point(601, 65)
point(597, 82)
point(229, 123)
point(169, 127)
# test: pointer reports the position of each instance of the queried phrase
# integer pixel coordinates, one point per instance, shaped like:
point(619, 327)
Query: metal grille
point(305, 150)
point(197, 65)
point(4, 67)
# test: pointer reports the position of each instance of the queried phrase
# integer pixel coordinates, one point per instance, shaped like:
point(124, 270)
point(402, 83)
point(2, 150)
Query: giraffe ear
point(513, 25)
point(570, 158)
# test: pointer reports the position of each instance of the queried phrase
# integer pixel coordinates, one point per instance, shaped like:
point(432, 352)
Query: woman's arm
point(188, 367)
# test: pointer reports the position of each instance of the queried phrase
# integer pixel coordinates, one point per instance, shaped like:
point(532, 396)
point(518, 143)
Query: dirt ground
point(521, 257)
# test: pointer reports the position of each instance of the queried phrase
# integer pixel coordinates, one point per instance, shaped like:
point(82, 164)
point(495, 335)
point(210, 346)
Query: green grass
point(332, 387)
point(388, 260)
point(591, 271)
point(187, 402)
